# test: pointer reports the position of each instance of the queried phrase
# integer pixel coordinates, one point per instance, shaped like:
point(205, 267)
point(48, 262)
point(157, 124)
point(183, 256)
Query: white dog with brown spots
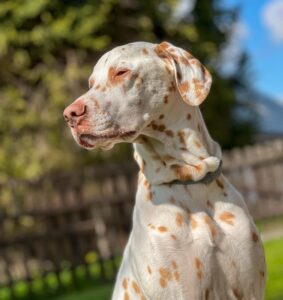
point(192, 236)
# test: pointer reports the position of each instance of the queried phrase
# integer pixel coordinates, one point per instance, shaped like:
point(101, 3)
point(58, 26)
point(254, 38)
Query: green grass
point(102, 292)
point(274, 260)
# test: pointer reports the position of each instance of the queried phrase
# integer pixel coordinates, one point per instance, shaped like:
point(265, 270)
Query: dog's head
point(129, 88)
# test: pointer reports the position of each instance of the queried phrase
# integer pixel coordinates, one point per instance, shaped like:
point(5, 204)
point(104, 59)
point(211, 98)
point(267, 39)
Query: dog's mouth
point(90, 141)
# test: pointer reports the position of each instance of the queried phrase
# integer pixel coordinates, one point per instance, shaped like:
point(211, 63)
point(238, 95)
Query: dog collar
point(208, 178)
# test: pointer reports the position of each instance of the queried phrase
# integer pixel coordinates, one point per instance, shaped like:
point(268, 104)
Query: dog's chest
point(203, 233)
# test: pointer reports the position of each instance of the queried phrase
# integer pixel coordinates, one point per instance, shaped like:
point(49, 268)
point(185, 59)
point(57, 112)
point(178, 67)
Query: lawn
point(274, 290)
point(274, 260)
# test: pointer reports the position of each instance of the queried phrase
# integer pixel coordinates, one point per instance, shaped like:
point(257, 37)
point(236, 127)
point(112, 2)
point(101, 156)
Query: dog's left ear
point(192, 79)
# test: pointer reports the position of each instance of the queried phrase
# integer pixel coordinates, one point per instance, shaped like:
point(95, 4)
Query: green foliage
point(47, 51)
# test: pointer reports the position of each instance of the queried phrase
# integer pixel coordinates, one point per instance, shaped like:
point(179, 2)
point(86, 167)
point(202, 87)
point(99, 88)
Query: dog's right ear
point(192, 79)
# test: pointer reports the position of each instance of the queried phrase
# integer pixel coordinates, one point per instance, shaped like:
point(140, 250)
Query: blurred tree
point(47, 51)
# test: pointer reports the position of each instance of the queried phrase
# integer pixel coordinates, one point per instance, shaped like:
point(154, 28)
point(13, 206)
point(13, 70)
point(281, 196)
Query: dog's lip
point(88, 140)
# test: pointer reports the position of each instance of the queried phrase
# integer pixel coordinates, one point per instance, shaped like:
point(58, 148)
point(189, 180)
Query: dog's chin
point(104, 141)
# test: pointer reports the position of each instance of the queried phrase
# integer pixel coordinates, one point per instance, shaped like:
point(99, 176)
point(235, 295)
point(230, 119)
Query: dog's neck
point(177, 146)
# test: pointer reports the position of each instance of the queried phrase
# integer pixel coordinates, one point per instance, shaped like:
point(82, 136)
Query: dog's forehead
point(126, 53)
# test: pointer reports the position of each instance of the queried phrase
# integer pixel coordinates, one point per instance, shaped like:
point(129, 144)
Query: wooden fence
point(257, 172)
point(68, 226)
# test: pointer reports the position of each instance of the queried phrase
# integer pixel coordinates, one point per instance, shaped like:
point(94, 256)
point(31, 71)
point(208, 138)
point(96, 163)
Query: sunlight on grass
point(274, 260)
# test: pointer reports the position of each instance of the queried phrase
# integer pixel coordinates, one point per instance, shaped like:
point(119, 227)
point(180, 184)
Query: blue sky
point(262, 36)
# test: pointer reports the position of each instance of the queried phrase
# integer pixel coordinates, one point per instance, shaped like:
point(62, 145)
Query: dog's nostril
point(74, 111)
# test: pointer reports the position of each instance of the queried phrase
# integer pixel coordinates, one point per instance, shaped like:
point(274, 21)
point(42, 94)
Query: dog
point(192, 237)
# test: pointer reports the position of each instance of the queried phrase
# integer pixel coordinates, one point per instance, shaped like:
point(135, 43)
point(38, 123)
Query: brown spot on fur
point(197, 143)
point(125, 283)
point(149, 270)
point(176, 275)
point(136, 287)
point(149, 196)
point(97, 87)
point(163, 46)
point(237, 294)
point(154, 126)
point(227, 217)
point(91, 83)
point(189, 116)
point(174, 264)
point(144, 51)
point(179, 219)
point(162, 282)
point(209, 204)
point(210, 224)
point(165, 273)
point(206, 294)
point(219, 183)
point(172, 87)
point(142, 166)
point(161, 116)
point(168, 157)
point(255, 237)
point(108, 104)
point(198, 168)
point(170, 133)
point(173, 237)
point(146, 184)
point(161, 127)
point(165, 99)
point(198, 263)
point(183, 172)
point(199, 274)
point(162, 229)
point(181, 136)
point(198, 87)
point(184, 87)
point(194, 223)
point(261, 273)
point(96, 104)
point(160, 51)
point(184, 61)
point(126, 296)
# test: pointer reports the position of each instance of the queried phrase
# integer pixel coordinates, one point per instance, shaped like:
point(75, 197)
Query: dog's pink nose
point(74, 111)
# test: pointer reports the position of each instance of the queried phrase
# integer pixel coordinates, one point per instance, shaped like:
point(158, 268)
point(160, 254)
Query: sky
point(260, 33)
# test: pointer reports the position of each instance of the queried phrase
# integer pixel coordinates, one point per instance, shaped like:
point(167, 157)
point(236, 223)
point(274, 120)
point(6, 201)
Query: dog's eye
point(122, 72)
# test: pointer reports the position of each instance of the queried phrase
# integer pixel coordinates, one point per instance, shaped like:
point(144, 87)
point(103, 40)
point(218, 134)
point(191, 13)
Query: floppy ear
point(192, 78)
